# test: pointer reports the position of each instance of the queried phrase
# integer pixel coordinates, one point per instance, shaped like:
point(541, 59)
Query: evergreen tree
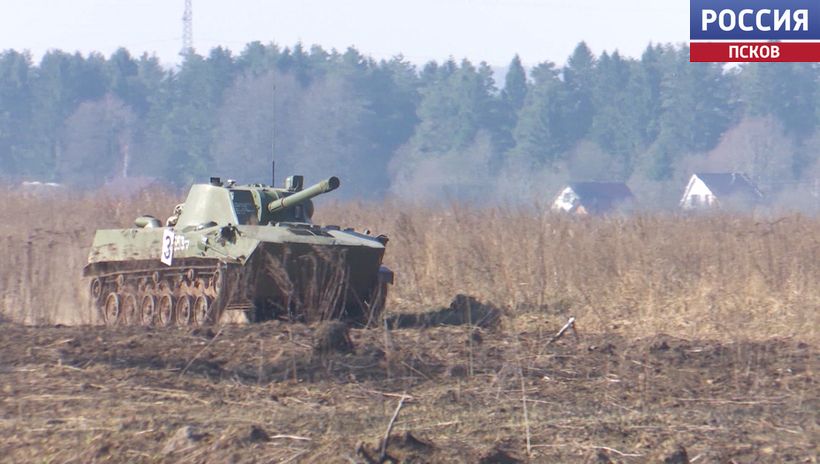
point(221, 69)
point(391, 92)
point(577, 106)
point(61, 82)
point(296, 62)
point(616, 120)
point(453, 107)
point(123, 73)
point(696, 111)
point(196, 94)
point(509, 105)
point(538, 134)
point(15, 111)
point(257, 58)
point(87, 78)
point(783, 90)
point(149, 93)
point(515, 85)
point(645, 88)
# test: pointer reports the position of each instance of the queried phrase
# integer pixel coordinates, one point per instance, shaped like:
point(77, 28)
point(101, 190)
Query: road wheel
point(111, 310)
point(165, 310)
point(185, 307)
point(130, 310)
point(148, 310)
point(95, 288)
point(202, 311)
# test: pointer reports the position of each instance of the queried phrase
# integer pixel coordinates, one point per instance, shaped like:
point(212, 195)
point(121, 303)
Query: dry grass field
point(710, 276)
point(698, 332)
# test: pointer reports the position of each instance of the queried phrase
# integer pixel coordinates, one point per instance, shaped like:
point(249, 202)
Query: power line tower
point(187, 29)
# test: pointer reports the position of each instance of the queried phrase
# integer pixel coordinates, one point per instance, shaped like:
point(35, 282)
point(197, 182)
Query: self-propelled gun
point(250, 251)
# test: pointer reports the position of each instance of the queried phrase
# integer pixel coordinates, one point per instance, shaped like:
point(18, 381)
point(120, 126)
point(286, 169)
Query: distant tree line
point(389, 127)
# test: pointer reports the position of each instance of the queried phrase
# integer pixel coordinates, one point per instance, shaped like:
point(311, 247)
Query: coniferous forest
point(444, 130)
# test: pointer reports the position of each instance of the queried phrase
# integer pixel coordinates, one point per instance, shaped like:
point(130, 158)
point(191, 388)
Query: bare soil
point(263, 393)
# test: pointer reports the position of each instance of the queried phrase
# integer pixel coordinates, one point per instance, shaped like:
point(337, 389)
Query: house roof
point(729, 183)
point(601, 190)
point(600, 197)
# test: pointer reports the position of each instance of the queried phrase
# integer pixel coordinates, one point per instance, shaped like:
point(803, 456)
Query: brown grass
point(716, 276)
point(711, 276)
point(45, 239)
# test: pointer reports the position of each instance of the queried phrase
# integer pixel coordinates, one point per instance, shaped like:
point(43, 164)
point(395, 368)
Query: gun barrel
point(324, 186)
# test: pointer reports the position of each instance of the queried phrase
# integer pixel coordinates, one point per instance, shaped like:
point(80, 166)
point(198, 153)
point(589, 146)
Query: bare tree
point(758, 147)
point(254, 115)
point(330, 137)
point(459, 173)
point(314, 130)
point(97, 140)
point(588, 161)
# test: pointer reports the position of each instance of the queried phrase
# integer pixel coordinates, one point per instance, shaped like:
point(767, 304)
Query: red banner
point(748, 52)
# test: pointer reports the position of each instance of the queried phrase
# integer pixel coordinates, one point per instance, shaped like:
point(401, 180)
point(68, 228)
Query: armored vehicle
point(247, 251)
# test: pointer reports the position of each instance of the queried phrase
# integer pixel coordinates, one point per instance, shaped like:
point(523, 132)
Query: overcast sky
point(421, 30)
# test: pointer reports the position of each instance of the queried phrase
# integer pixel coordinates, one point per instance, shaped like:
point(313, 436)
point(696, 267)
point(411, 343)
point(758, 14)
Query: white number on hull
point(167, 256)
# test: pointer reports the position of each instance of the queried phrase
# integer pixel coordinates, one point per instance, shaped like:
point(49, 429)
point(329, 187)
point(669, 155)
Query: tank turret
point(294, 199)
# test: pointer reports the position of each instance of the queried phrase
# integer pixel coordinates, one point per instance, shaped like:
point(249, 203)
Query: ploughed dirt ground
point(501, 393)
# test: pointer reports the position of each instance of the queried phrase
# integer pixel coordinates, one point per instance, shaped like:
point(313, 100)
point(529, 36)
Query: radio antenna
point(187, 29)
point(273, 128)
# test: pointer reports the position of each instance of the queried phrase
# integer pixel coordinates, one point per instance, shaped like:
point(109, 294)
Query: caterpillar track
point(192, 296)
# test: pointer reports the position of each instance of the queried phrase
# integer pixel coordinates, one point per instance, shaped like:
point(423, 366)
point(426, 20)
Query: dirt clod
point(409, 440)
point(183, 439)
point(678, 457)
point(206, 332)
point(332, 336)
point(497, 455)
point(257, 434)
point(463, 310)
point(402, 448)
point(458, 371)
point(103, 450)
point(660, 346)
point(603, 458)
